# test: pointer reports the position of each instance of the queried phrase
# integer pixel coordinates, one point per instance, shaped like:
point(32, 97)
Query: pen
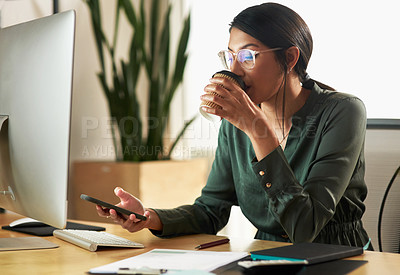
point(141, 271)
point(206, 245)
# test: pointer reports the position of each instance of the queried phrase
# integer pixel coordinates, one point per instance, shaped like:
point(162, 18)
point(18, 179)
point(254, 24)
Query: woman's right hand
point(131, 223)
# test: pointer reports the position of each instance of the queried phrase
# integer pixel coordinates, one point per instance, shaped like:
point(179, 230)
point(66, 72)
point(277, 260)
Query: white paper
point(174, 260)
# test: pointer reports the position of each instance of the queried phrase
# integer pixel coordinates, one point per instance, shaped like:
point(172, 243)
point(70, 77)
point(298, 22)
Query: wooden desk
point(71, 259)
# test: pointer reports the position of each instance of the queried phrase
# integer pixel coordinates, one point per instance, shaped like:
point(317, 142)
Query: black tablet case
point(312, 252)
point(47, 230)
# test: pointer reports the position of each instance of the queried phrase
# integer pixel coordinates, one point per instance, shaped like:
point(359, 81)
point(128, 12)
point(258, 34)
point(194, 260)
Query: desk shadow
point(337, 267)
point(332, 268)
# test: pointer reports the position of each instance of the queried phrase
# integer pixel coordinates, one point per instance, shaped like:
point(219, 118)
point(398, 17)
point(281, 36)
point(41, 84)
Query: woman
point(290, 149)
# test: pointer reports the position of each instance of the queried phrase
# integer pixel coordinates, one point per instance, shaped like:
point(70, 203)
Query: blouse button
point(268, 185)
point(261, 173)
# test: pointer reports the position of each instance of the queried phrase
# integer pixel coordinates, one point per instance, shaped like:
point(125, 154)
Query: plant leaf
point(96, 25)
point(163, 52)
point(180, 64)
point(130, 12)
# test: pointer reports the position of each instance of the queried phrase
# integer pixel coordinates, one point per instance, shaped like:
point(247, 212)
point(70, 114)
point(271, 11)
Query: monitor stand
point(5, 169)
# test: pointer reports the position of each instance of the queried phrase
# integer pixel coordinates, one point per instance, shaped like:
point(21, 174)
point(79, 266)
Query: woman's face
point(265, 79)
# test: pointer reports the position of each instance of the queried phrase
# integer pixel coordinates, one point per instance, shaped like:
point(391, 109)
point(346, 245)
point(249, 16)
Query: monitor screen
point(36, 65)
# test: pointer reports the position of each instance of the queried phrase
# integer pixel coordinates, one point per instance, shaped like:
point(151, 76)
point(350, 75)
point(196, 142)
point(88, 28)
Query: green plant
point(149, 49)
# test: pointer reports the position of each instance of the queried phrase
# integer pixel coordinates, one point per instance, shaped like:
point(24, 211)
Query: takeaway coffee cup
point(230, 76)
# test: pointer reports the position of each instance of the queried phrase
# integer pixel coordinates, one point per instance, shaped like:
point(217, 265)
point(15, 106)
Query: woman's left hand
point(236, 105)
point(242, 112)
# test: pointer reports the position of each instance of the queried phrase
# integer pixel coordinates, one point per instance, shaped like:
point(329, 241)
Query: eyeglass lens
point(226, 59)
point(244, 56)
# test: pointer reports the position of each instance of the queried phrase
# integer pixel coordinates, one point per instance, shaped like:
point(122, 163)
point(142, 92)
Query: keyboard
point(91, 240)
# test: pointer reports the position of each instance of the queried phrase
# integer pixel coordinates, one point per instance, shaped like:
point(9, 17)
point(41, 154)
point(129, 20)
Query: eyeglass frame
point(234, 55)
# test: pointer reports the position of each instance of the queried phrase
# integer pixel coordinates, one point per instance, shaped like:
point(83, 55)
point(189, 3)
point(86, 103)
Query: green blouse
point(313, 191)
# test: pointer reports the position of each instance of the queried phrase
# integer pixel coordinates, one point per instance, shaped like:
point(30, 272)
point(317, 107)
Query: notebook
point(307, 253)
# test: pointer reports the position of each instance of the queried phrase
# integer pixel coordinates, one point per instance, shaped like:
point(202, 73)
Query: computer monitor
point(36, 65)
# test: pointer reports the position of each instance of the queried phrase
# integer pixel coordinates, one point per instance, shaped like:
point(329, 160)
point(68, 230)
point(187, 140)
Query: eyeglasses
point(246, 57)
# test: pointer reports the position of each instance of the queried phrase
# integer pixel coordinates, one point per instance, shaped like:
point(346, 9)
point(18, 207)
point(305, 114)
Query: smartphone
point(110, 206)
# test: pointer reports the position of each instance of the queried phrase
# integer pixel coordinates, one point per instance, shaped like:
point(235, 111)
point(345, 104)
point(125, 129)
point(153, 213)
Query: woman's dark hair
point(277, 26)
